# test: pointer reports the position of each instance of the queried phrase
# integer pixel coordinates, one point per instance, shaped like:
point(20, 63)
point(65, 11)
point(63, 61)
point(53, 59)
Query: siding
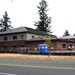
point(29, 36)
point(10, 37)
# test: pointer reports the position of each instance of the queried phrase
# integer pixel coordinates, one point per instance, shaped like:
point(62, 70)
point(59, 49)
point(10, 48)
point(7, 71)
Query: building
point(24, 39)
point(13, 40)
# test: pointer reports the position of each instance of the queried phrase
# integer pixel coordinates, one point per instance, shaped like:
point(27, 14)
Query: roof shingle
point(23, 29)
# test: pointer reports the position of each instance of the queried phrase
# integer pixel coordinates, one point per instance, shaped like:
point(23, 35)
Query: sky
point(25, 13)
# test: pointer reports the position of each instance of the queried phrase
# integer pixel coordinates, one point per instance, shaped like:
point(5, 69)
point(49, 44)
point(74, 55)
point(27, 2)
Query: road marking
point(6, 73)
point(46, 67)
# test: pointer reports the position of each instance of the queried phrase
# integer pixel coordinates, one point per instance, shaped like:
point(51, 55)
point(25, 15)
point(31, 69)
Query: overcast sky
point(25, 12)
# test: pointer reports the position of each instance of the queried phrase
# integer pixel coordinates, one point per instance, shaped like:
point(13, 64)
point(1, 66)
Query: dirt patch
point(6, 55)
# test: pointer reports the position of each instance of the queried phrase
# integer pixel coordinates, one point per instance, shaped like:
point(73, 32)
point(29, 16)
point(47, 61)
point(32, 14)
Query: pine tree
point(5, 23)
point(66, 33)
point(43, 23)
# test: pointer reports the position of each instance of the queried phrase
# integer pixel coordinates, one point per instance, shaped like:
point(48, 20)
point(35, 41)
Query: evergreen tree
point(66, 33)
point(43, 23)
point(74, 34)
point(5, 23)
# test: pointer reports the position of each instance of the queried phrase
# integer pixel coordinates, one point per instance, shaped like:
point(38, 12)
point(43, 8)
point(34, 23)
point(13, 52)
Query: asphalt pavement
point(36, 67)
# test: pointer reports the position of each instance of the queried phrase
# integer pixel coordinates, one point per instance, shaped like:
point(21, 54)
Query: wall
point(10, 37)
point(10, 45)
point(29, 36)
point(60, 45)
point(56, 44)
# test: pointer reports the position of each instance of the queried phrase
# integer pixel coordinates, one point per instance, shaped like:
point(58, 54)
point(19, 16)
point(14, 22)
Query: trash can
point(42, 48)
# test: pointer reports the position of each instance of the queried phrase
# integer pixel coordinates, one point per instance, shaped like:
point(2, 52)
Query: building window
point(70, 45)
point(63, 45)
point(5, 38)
point(5, 47)
point(14, 37)
point(22, 45)
point(74, 46)
point(32, 36)
point(22, 36)
point(14, 46)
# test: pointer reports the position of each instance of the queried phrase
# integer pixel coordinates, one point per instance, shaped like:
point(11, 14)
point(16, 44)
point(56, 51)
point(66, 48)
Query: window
point(14, 37)
point(5, 47)
point(5, 38)
point(64, 45)
point(22, 45)
point(32, 36)
point(74, 46)
point(14, 46)
point(22, 36)
point(70, 45)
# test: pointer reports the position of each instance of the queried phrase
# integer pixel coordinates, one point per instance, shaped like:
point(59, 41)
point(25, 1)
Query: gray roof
point(23, 29)
point(67, 37)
